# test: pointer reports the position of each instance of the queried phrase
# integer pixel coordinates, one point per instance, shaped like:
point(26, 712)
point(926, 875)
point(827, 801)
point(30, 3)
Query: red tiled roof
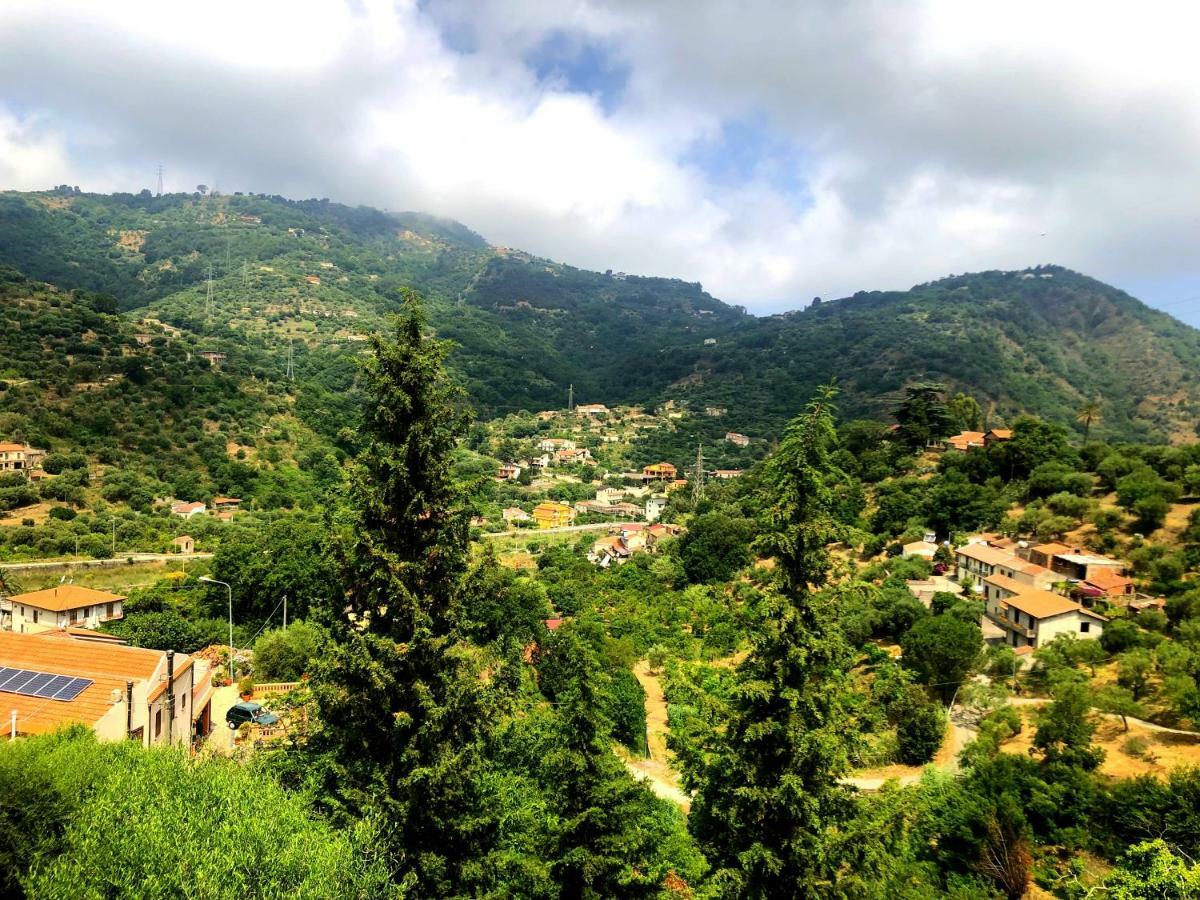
point(65, 597)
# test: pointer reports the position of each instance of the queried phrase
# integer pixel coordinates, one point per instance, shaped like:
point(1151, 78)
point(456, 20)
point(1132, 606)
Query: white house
point(64, 606)
point(188, 510)
point(1033, 618)
point(654, 508)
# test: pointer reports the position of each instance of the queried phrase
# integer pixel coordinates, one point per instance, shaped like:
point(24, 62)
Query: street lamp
point(225, 584)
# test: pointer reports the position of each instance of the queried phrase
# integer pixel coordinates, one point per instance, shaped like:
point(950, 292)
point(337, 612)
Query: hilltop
point(318, 276)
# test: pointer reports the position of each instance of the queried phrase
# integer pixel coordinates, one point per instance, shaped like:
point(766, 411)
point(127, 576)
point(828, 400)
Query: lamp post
point(229, 589)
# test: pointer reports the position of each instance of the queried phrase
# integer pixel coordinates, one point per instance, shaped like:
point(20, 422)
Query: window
point(108, 610)
point(1085, 627)
point(157, 723)
point(35, 617)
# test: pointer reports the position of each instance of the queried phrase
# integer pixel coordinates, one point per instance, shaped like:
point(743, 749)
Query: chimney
point(170, 696)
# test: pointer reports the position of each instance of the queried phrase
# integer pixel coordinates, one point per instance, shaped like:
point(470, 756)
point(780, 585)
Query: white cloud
point(935, 137)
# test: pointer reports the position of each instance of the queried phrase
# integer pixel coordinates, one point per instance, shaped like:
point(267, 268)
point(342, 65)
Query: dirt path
point(1141, 723)
point(946, 760)
point(656, 769)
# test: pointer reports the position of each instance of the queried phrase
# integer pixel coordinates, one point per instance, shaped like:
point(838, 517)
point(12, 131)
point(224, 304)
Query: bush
point(64, 513)
point(920, 728)
point(1137, 747)
point(287, 655)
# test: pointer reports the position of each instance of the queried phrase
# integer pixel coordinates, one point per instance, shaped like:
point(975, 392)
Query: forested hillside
point(1043, 341)
point(319, 276)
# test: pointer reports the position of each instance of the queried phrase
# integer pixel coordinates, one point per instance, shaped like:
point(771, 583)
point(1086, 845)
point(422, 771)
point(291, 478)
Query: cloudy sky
point(772, 150)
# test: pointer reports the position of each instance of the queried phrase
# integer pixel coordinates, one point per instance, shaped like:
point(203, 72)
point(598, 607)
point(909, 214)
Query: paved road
point(120, 560)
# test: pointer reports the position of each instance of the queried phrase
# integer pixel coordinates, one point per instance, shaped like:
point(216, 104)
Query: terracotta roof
point(1034, 569)
point(220, 500)
point(11, 448)
point(966, 439)
point(109, 667)
point(82, 634)
point(65, 597)
point(1107, 580)
point(1045, 605)
point(1002, 433)
point(989, 556)
point(1005, 583)
point(1052, 549)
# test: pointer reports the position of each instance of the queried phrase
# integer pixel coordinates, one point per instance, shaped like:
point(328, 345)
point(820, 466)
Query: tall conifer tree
point(770, 804)
point(402, 701)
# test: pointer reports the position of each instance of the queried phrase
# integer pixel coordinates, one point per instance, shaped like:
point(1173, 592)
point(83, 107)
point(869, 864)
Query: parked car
point(253, 713)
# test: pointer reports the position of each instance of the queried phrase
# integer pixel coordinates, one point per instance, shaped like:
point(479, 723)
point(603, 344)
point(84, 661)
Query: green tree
point(403, 699)
point(1134, 668)
point(1118, 701)
point(770, 802)
point(715, 546)
point(920, 727)
point(1066, 726)
point(1152, 871)
point(965, 412)
point(1088, 415)
point(940, 651)
point(286, 655)
point(923, 415)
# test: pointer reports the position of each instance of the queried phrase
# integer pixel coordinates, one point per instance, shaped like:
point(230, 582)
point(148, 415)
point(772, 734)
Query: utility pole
point(285, 612)
point(291, 374)
point(159, 193)
point(245, 273)
point(698, 475)
point(570, 398)
point(208, 297)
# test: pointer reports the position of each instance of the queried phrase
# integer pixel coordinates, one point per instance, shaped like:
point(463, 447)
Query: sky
point(774, 151)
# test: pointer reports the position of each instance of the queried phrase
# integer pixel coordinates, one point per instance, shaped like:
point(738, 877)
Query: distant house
point(1033, 618)
point(120, 693)
point(214, 357)
point(739, 440)
point(591, 409)
point(551, 514)
point(313, 279)
point(227, 504)
point(708, 342)
point(63, 606)
point(185, 544)
point(143, 339)
point(996, 435)
point(572, 456)
point(610, 495)
point(654, 508)
point(725, 474)
point(549, 445)
point(20, 457)
point(508, 472)
point(715, 411)
point(1108, 583)
point(662, 471)
point(187, 510)
point(965, 441)
point(923, 549)
point(514, 514)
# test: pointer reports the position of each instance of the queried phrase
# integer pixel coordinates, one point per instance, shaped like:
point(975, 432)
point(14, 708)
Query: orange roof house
point(662, 471)
point(1109, 582)
point(63, 606)
point(996, 435)
point(111, 676)
point(965, 441)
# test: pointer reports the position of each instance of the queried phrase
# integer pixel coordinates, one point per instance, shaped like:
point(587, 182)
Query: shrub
point(1136, 747)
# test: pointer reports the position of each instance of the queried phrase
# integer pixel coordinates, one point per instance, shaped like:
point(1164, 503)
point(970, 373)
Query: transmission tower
point(159, 194)
point(698, 475)
point(208, 297)
point(570, 398)
point(291, 374)
point(245, 273)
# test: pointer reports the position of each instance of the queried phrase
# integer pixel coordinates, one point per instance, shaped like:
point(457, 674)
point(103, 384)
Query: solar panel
point(29, 683)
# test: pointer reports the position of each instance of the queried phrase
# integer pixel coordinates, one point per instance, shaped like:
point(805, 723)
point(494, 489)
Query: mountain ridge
point(528, 330)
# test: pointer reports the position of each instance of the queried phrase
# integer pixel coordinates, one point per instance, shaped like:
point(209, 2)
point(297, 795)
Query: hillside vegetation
point(318, 276)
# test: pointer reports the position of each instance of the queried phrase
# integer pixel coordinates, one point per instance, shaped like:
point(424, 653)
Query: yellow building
point(553, 515)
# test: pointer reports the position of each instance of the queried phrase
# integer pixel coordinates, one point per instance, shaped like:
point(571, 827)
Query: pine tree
point(402, 701)
point(770, 804)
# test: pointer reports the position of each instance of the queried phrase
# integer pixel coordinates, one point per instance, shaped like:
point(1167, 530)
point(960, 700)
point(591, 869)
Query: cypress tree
point(770, 803)
point(402, 700)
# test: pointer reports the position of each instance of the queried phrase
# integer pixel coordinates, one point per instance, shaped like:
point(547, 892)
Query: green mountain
point(309, 279)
